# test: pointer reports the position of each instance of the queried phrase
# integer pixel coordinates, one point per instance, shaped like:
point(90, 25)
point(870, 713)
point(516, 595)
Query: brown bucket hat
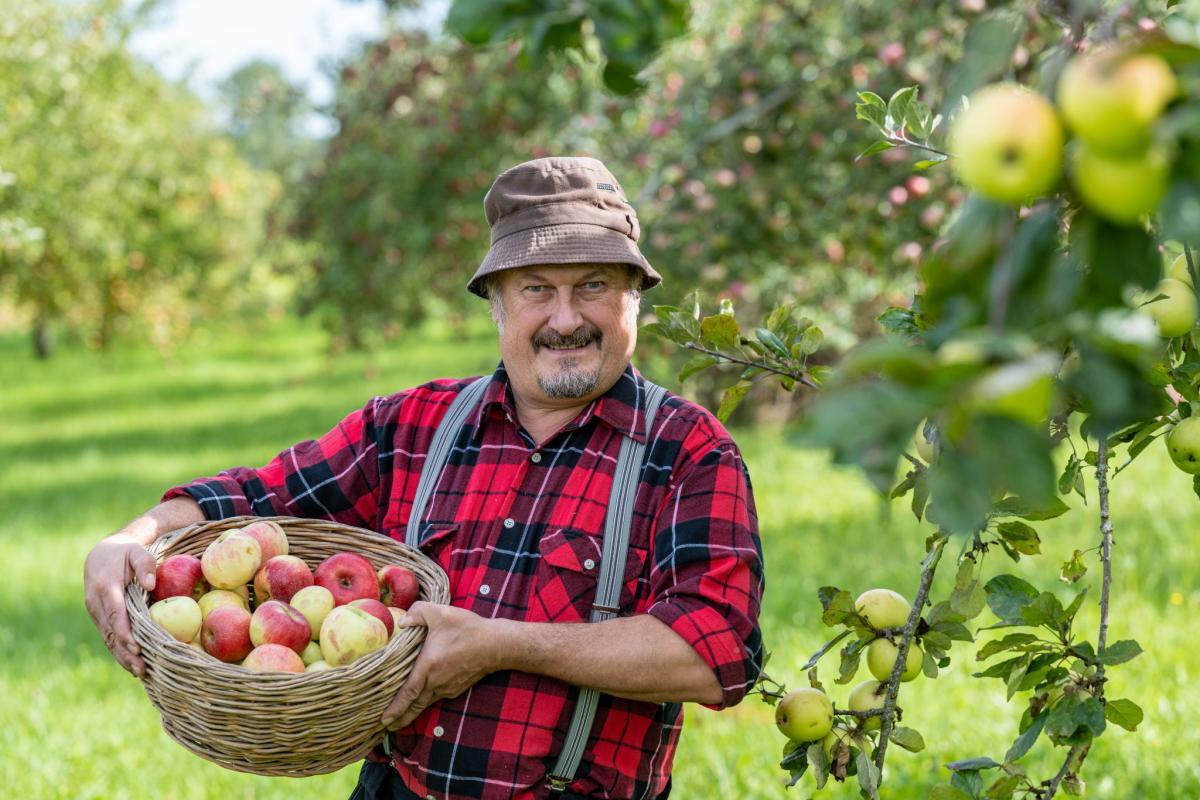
point(560, 211)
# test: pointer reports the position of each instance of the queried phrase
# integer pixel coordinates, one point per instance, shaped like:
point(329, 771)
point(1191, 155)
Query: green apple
point(1022, 390)
point(882, 608)
point(1183, 443)
point(804, 715)
point(925, 448)
point(1120, 188)
point(835, 737)
point(1175, 310)
point(881, 657)
point(179, 616)
point(1111, 99)
point(1008, 144)
point(1179, 270)
point(866, 696)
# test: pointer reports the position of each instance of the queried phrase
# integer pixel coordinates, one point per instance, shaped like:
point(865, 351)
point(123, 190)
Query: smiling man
point(517, 520)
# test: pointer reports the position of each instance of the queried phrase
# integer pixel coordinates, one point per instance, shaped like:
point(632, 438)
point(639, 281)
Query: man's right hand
point(112, 564)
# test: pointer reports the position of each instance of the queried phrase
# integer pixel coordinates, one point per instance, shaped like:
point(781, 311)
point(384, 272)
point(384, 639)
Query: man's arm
point(638, 658)
point(120, 558)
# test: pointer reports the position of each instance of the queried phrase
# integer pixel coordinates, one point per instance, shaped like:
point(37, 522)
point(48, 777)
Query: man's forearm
point(638, 658)
point(174, 513)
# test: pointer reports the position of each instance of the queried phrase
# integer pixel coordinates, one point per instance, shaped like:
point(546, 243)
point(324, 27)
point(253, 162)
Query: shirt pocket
point(437, 542)
point(567, 575)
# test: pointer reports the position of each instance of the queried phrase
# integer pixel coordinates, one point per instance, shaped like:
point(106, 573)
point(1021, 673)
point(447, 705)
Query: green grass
point(88, 441)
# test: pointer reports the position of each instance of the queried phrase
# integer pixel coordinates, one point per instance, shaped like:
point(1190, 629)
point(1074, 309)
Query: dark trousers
point(379, 781)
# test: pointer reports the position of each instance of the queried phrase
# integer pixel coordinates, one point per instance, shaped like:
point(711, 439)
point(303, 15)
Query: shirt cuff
point(710, 635)
point(219, 498)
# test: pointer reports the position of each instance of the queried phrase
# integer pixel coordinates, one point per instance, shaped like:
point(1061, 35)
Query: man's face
point(566, 331)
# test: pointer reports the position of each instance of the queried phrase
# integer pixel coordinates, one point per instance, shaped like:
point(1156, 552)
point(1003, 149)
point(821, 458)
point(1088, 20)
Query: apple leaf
point(720, 330)
point(868, 775)
point(877, 147)
point(968, 597)
point(1016, 507)
point(818, 763)
point(945, 791)
point(929, 665)
point(772, 342)
point(1003, 788)
point(930, 162)
point(732, 399)
point(1007, 595)
point(1021, 537)
point(838, 606)
point(1119, 652)
point(871, 108)
point(851, 655)
point(697, 363)
point(953, 630)
point(908, 738)
point(1012, 641)
point(1073, 569)
point(1026, 740)
point(972, 764)
point(1125, 713)
point(1074, 720)
point(899, 105)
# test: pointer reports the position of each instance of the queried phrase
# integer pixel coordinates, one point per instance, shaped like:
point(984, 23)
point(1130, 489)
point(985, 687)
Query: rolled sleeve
point(335, 478)
point(707, 576)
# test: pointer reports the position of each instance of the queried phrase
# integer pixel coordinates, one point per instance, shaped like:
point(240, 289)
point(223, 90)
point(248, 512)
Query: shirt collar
point(622, 407)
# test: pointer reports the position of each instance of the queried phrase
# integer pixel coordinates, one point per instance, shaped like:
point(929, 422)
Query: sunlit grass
point(89, 440)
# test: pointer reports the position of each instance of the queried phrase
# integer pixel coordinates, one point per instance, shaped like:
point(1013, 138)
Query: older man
point(517, 520)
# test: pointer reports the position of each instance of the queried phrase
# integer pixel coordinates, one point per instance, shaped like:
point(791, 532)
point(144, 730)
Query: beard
point(570, 381)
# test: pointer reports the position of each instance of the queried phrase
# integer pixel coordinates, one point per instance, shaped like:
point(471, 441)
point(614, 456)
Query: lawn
point(89, 440)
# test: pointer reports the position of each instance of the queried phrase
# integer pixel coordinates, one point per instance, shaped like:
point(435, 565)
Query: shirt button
point(508, 523)
point(536, 458)
point(439, 730)
point(428, 797)
point(485, 590)
point(588, 563)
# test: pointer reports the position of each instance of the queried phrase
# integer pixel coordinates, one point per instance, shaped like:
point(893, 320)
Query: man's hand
point(460, 648)
point(110, 565)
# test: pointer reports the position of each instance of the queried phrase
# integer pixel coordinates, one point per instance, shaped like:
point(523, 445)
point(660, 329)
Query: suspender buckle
point(606, 609)
point(387, 744)
point(556, 783)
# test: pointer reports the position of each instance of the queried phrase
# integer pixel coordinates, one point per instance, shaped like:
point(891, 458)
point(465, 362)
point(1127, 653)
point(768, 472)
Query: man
point(516, 521)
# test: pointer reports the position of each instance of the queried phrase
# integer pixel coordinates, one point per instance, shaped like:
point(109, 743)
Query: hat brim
point(563, 243)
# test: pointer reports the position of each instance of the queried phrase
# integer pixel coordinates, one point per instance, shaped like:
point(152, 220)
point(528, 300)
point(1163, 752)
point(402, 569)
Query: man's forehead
point(565, 272)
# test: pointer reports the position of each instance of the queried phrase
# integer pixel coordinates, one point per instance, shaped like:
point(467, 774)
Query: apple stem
point(928, 568)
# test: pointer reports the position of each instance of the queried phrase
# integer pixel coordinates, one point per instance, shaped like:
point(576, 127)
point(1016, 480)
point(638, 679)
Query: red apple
point(278, 623)
point(225, 634)
point(270, 537)
point(398, 586)
point(280, 578)
point(231, 560)
point(273, 658)
point(179, 576)
point(377, 610)
point(348, 576)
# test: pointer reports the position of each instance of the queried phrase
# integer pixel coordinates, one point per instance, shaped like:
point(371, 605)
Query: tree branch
point(799, 377)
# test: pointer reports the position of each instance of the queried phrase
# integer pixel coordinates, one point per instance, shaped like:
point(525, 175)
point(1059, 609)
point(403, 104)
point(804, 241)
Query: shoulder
point(693, 430)
point(421, 405)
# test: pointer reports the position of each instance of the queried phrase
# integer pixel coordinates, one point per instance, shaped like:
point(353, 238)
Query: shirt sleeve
point(335, 477)
point(707, 575)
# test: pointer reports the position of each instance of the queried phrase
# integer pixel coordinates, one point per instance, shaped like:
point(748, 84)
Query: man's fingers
point(414, 617)
point(143, 566)
point(408, 694)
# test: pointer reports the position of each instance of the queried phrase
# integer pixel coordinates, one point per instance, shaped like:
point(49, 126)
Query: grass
point(88, 440)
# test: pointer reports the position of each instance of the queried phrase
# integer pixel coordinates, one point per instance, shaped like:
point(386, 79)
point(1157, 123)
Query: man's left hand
point(460, 648)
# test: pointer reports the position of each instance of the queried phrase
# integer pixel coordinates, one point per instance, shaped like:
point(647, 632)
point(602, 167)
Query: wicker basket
point(276, 723)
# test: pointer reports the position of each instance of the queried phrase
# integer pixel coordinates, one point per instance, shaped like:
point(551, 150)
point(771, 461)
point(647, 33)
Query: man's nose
point(565, 318)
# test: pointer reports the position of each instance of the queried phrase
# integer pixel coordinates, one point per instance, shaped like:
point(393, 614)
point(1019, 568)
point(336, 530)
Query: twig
point(812, 662)
point(928, 567)
point(799, 377)
point(900, 140)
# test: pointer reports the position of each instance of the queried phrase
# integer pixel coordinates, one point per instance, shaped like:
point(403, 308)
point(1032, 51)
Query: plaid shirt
point(517, 528)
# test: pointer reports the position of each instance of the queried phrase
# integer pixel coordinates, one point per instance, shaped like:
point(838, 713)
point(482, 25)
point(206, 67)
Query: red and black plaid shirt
point(518, 530)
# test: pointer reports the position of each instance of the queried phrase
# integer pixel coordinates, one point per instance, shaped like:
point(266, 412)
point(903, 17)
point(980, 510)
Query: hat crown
point(543, 182)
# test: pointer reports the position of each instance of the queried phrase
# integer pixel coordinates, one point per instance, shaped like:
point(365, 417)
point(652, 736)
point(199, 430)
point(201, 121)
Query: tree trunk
point(43, 340)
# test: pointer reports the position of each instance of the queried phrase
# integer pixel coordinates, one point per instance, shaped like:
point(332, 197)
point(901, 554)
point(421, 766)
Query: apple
point(882, 608)
point(837, 736)
point(270, 537)
point(1008, 144)
point(273, 658)
point(398, 586)
point(1022, 390)
point(866, 696)
point(217, 598)
point(881, 657)
point(925, 447)
point(179, 616)
point(1111, 98)
point(314, 602)
point(1175, 313)
point(348, 576)
point(196, 642)
point(225, 634)
point(804, 715)
point(1122, 189)
point(318, 666)
point(397, 615)
point(377, 610)
point(1179, 269)
point(179, 575)
point(1183, 443)
point(231, 560)
point(349, 633)
point(311, 654)
point(280, 578)
point(275, 622)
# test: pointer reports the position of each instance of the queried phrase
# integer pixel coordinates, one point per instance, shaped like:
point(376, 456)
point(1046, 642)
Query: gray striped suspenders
point(614, 547)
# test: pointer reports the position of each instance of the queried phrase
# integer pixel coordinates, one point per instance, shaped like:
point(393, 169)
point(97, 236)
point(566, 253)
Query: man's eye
point(594, 285)
point(535, 289)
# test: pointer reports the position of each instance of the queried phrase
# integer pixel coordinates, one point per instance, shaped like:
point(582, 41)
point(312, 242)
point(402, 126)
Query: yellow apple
point(1022, 390)
point(866, 696)
point(1175, 312)
point(179, 616)
point(804, 715)
point(1120, 188)
point(881, 657)
point(882, 608)
point(925, 448)
point(1179, 270)
point(1183, 443)
point(835, 737)
point(1007, 144)
point(1111, 99)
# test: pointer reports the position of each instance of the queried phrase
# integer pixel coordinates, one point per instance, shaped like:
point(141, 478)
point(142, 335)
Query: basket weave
point(279, 723)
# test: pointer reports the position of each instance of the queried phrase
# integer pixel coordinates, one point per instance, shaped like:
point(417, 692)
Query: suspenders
point(614, 547)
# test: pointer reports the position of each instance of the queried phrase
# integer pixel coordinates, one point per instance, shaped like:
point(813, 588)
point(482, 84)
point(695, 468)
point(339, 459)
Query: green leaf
point(987, 53)
point(1125, 713)
point(810, 342)
point(1074, 720)
point(732, 399)
point(930, 162)
point(954, 630)
point(1026, 740)
point(697, 363)
point(1010, 642)
point(778, 320)
point(968, 597)
point(1016, 507)
point(1003, 788)
point(850, 656)
point(772, 342)
point(837, 606)
point(720, 331)
point(1007, 595)
point(871, 108)
point(919, 119)
point(877, 147)
point(1045, 610)
point(1119, 652)
point(479, 22)
point(908, 738)
point(945, 791)
point(899, 105)
point(972, 764)
point(818, 763)
point(1021, 537)
point(1074, 568)
point(868, 773)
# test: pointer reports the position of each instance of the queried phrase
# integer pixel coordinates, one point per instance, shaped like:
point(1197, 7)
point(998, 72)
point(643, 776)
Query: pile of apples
point(246, 601)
